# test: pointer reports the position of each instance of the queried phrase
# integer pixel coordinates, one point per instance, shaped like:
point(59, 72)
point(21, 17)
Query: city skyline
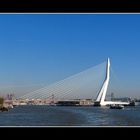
point(40, 49)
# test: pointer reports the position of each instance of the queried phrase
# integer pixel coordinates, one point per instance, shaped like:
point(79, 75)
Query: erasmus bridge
point(84, 85)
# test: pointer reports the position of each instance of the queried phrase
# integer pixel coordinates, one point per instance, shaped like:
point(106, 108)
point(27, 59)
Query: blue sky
point(38, 49)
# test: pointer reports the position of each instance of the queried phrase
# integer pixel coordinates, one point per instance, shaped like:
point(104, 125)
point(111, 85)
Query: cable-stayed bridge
point(84, 85)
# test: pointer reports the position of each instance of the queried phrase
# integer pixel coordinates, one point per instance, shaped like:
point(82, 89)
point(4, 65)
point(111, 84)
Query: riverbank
point(4, 109)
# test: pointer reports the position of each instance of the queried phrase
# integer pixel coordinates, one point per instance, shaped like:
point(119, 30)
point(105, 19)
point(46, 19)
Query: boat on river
point(114, 106)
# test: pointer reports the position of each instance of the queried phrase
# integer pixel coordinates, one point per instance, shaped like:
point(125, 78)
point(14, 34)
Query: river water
point(70, 116)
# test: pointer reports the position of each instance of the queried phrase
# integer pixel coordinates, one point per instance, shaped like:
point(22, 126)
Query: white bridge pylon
point(100, 101)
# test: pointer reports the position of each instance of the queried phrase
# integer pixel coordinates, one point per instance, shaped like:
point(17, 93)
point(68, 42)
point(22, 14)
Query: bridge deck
point(115, 102)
